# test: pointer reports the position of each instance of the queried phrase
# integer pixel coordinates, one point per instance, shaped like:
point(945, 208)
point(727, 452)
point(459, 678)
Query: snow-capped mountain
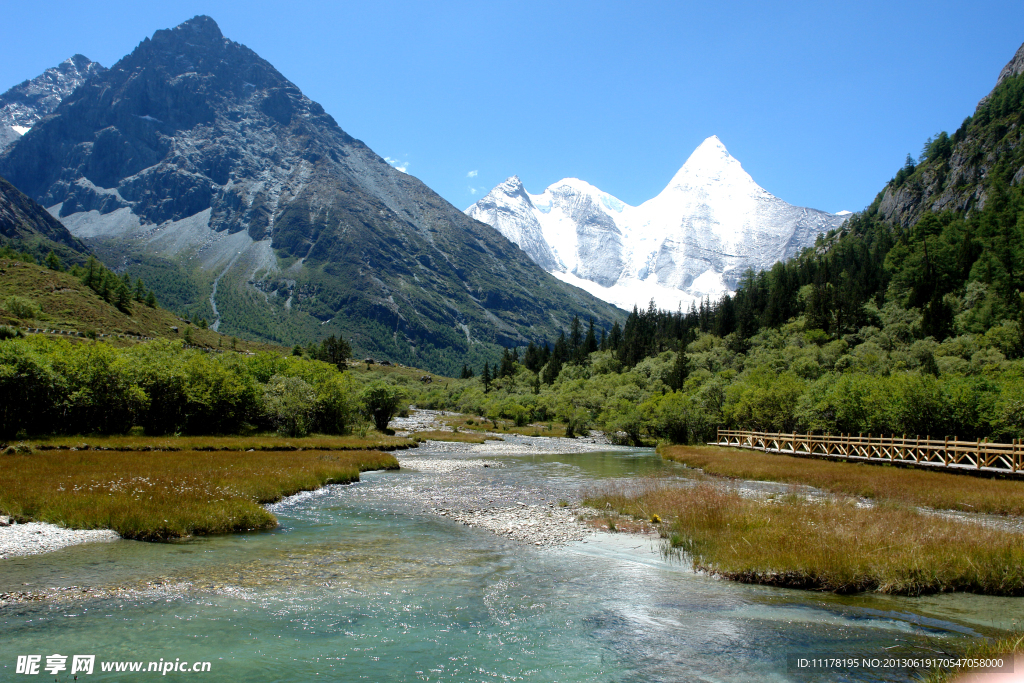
point(25, 104)
point(696, 238)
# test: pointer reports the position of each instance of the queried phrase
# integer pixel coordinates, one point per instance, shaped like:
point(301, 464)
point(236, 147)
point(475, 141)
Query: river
point(369, 582)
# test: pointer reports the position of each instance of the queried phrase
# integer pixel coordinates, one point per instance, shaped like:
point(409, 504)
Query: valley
point(271, 402)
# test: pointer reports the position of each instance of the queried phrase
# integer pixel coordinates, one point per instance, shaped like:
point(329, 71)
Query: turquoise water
point(359, 584)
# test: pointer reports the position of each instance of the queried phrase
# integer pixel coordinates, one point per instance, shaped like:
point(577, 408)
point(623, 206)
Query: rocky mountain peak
point(1014, 67)
point(195, 156)
point(27, 103)
point(198, 32)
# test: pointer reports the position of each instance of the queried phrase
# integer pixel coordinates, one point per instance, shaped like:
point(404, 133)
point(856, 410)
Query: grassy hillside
point(33, 296)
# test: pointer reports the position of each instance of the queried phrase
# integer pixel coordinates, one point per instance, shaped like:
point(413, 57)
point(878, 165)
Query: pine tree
point(508, 367)
point(615, 336)
point(559, 356)
point(680, 369)
point(575, 338)
point(590, 342)
point(92, 274)
point(53, 262)
point(140, 291)
point(122, 296)
point(485, 378)
point(151, 299)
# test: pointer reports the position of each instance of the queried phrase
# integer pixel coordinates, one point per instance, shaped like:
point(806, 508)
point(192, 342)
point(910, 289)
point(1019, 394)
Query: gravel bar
point(38, 537)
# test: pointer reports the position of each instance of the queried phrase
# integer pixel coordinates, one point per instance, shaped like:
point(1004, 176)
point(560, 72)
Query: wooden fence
point(948, 454)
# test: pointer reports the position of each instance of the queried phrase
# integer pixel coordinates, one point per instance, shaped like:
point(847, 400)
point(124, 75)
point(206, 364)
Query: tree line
point(58, 386)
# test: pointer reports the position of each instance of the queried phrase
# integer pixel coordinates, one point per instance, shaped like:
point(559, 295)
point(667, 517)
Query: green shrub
point(20, 307)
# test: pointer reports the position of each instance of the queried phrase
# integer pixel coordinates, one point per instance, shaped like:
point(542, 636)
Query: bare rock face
point(25, 104)
point(26, 226)
point(194, 156)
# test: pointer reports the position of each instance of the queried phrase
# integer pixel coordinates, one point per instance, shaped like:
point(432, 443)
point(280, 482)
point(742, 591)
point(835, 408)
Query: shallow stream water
point(364, 582)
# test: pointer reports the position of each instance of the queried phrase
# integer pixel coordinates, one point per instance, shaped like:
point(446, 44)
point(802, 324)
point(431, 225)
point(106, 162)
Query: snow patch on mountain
point(693, 240)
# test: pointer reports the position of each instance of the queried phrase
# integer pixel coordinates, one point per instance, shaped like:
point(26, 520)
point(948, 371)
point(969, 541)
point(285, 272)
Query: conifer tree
point(590, 342)
point(53, 262)
point(680, 369)
point(485, 378)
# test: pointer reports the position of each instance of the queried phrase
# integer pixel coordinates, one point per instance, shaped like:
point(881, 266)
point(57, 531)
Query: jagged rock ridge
point(696, 238)
point(25, 104)
point(196, 164)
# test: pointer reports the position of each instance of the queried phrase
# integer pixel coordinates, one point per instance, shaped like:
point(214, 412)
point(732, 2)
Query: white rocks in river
point(445, 465)
point(534, 524)
point(39, 537)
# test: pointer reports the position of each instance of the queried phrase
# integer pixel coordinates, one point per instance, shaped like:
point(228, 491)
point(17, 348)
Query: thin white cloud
point(472, 190)
point(472, 174)
point(402, 166)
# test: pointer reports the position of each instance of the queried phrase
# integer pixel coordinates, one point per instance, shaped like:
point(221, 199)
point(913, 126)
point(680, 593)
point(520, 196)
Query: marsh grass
point(1011, 644)
point(916, 487)
point(374, 441)
point(460, 437)
point(822, 545)
point(153, 495)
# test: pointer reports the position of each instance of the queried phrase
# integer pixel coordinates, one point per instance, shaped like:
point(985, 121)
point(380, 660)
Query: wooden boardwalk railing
point(948, 454)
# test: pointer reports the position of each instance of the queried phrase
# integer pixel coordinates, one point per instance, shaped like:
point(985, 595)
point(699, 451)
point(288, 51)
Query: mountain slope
point(59, 301)
point(26, 226)
point(957, 169)
point(194, 163)
point(710, 224)
point(25, 104)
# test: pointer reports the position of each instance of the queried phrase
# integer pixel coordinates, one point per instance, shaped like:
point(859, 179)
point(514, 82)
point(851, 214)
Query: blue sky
point(821, 102)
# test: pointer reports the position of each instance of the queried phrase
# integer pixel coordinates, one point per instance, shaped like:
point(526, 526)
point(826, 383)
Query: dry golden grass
point(922, 488)
point(834, 546)
point(984, 649)
point(161, 495)
point(459, 437)
point(224, 443)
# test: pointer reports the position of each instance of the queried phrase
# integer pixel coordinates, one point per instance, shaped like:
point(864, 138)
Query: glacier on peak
point(695, 239)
